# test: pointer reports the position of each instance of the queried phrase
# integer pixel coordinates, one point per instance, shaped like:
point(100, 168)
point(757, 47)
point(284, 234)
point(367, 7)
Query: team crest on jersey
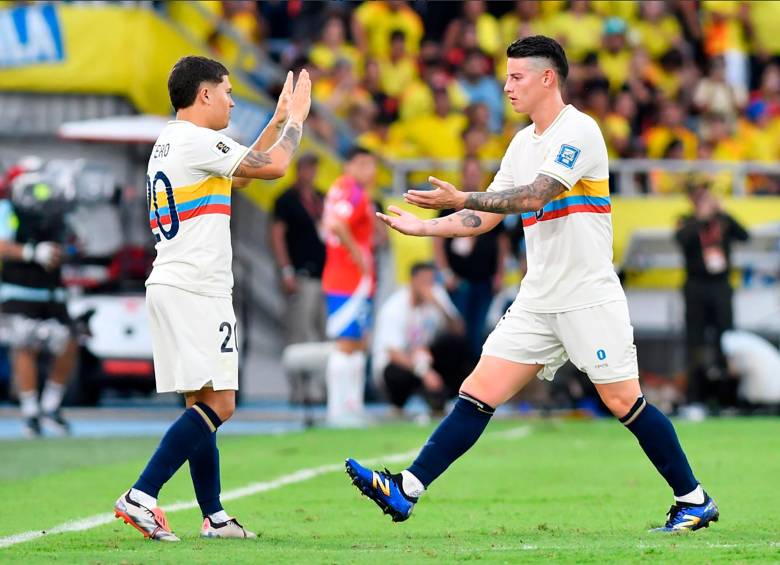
point(567, 156)
point(222, 146)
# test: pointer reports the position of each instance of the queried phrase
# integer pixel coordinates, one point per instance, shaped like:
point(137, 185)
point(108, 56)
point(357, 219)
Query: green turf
point(568, 491)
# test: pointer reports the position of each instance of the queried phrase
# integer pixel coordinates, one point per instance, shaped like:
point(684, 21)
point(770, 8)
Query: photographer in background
point(705, 239)
point(35, 317)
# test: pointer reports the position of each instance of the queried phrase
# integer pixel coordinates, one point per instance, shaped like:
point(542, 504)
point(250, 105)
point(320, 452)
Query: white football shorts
point(193, 340)
point(599, 341)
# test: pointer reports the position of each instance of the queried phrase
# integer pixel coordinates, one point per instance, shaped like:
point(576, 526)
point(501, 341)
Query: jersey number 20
point(151, 195)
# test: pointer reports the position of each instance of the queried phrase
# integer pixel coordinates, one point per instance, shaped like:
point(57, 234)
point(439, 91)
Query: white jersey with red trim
point(569, 241)
point(188, 188)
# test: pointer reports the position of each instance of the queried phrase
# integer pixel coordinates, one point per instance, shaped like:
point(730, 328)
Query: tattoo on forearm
point(291, 137)
point(526, 198)
point(252, 160)
point(468, 219)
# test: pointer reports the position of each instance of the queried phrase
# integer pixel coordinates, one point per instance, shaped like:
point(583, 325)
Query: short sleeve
point(216, 154)
point(8, 221)
point(575, 153)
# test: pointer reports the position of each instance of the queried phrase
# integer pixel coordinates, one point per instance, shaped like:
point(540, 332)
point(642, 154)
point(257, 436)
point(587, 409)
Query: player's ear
point(205, 95)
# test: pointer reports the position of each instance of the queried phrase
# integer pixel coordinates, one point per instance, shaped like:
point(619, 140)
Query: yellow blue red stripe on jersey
point(590, 196)
point(210, 196)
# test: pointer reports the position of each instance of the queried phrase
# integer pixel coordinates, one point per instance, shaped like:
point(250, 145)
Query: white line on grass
point(248, 490)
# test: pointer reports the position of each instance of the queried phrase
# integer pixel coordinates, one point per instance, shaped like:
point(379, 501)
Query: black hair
point(397, 34)
point(422, 266)
point(187, 75)
point(541, 46)
point(356, 151)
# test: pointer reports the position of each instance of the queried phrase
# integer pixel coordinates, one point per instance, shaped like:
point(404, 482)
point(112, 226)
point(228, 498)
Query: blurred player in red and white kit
point(348, 284)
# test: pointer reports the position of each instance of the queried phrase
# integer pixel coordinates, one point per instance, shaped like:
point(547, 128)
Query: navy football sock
point(179, 442)
point(657, 437)
point(454, 437)
point(204, 470)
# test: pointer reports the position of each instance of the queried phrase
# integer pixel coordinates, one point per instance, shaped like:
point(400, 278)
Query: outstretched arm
point(524, 198)
point(458, 224)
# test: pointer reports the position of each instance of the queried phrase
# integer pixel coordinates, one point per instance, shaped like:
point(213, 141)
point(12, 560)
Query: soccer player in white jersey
point(188, 293)
point(570, 304)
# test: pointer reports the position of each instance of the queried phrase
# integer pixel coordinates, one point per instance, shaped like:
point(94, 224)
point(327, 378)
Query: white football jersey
point(569, 241)
point(188, 187)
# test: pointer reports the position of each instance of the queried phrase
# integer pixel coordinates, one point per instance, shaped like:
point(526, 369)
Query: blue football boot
point(690, 517)
point(383, 488)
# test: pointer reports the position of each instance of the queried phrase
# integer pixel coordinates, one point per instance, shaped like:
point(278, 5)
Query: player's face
point(526, 83)
point(363, 168)
point(221, 103)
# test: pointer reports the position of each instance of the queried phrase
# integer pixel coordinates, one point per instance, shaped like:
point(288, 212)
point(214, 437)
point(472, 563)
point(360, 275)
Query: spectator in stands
point(436, 136)
point(705, 239)
point(399, 69)
point(417, 98)
point(332, 46)
point(615, 55)
point(340, 89)
point(657, 30)
point(726, 28)
point(300, 256)
point(419, 344)
point(713, 95)
point(484, 26)
point(374, 22)
point(473, 267)
point(670, 127)
point(578, 30)
point(476, 80)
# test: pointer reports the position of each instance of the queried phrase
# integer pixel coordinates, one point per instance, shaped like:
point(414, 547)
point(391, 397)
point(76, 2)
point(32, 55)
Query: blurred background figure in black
point(300, 256)
point(705, 238)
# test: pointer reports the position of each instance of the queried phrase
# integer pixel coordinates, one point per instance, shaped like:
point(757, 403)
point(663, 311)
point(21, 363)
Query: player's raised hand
point(402, 221)
point(300, 101)
point(283, 104)
point(443, 197)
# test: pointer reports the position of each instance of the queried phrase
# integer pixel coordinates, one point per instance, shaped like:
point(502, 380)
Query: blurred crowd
point(664, 79)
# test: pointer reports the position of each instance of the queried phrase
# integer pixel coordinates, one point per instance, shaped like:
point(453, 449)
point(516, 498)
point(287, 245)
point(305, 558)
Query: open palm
point(403, 221)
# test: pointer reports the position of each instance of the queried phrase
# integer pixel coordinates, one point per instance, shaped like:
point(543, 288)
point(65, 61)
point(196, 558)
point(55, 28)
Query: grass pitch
point(529, 491)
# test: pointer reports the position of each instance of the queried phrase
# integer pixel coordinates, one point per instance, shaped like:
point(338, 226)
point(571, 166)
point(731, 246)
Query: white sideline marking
point(248, 490)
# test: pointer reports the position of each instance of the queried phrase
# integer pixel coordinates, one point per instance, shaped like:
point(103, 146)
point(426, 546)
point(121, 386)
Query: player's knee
point(619, 405)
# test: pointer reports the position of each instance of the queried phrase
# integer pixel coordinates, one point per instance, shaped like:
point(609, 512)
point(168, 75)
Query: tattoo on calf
point(526, 198)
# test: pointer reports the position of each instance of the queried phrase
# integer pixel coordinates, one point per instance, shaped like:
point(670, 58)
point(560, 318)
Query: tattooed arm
point(459, 224)
point(525, 198)
point(273, 163)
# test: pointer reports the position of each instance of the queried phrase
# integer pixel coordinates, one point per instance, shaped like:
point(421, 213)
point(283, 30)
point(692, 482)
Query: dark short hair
point(422, 266)
point(541, 46)
point(357, 151)
point(188, 74)
point(397, 34)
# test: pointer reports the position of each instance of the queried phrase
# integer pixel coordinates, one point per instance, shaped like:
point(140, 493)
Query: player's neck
point(193, 116)
point(544, 115)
